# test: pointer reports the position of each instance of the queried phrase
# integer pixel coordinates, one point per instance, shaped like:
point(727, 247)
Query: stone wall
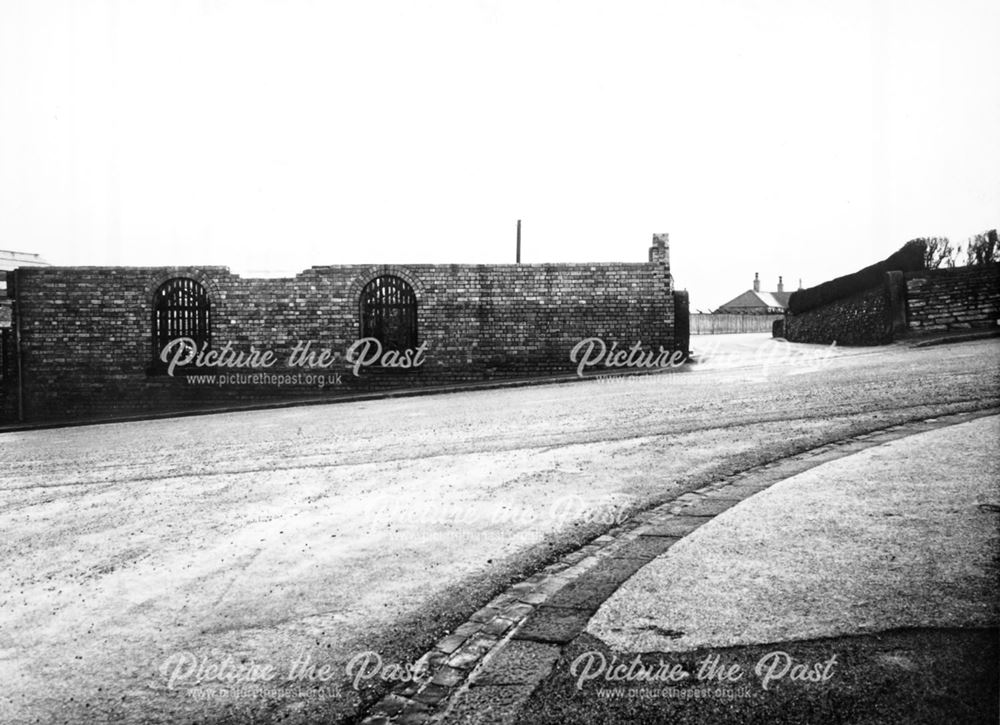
point(953, 299)
point(86, 332)
point(863, 318)
point(910, 303)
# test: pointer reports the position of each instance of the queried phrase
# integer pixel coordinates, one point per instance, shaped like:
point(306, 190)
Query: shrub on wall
point(939, 252)
point(910, 258)
point(983, 248)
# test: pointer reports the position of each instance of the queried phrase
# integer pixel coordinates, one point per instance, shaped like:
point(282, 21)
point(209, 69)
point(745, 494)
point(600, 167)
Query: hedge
point(910, 258)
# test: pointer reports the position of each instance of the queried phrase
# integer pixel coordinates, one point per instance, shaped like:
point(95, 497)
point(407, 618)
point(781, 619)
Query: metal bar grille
point(181, 309)
point(389, 313)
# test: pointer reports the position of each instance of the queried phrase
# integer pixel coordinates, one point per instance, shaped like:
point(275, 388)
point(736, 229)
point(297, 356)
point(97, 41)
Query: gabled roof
point(751, 300)
point(769, 299)
point(782, 298)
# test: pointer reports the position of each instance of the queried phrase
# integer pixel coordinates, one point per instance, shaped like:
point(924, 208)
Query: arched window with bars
point(389, 312)
point(181, 309)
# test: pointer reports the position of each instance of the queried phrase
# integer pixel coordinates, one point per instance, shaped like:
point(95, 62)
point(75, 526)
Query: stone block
point(553, 624)
point(518, 662)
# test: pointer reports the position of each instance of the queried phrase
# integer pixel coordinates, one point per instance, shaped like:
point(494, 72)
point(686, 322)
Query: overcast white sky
point(795, 137)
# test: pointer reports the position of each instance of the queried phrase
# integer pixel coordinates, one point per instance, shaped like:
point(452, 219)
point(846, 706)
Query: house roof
point(751, 300)
point(782, 297)
point(11, 260)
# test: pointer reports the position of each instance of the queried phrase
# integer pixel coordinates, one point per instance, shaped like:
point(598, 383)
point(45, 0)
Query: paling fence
point(722, 324)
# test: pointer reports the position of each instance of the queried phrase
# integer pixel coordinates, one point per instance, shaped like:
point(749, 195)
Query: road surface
point(149, 565)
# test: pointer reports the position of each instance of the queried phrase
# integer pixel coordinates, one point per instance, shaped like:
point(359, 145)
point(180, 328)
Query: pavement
point(854, 584)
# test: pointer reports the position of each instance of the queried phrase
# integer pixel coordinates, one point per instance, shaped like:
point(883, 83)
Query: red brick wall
point(86, 338)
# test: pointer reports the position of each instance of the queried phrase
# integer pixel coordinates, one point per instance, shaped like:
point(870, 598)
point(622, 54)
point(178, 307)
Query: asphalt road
point(147, 565)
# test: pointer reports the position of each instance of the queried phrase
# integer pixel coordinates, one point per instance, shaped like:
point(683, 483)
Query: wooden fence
point(703, 324)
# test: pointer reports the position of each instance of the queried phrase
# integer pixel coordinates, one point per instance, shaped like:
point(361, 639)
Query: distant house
point(8, 261)
point(12, 260)
point(755, 302)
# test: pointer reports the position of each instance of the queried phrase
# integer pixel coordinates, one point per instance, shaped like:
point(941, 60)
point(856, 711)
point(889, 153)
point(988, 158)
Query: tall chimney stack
point(781, 285)
point(756, 282)
point(660, 251)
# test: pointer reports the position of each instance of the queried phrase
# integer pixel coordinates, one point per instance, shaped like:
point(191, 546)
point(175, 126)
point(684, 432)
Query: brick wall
point(860, 319)
point(953, 299)
point(86, 338)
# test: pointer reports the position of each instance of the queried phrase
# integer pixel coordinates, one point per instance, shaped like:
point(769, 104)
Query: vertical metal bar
point(18, 350)
point(518, 241)
point(206, 313)
point(411, 321)
point(160, 322)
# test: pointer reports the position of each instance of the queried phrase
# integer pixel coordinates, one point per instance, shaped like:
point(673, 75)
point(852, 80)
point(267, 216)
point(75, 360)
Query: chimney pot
point(756, 282)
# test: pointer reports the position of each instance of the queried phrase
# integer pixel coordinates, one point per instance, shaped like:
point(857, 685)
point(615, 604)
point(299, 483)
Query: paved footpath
point(853, 583)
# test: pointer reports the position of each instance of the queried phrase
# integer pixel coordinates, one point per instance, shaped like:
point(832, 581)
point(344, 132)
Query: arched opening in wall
point(389, 312)
point(181, 310)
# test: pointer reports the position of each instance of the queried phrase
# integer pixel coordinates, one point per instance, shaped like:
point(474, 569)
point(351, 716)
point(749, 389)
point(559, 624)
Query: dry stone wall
point(953, 299)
